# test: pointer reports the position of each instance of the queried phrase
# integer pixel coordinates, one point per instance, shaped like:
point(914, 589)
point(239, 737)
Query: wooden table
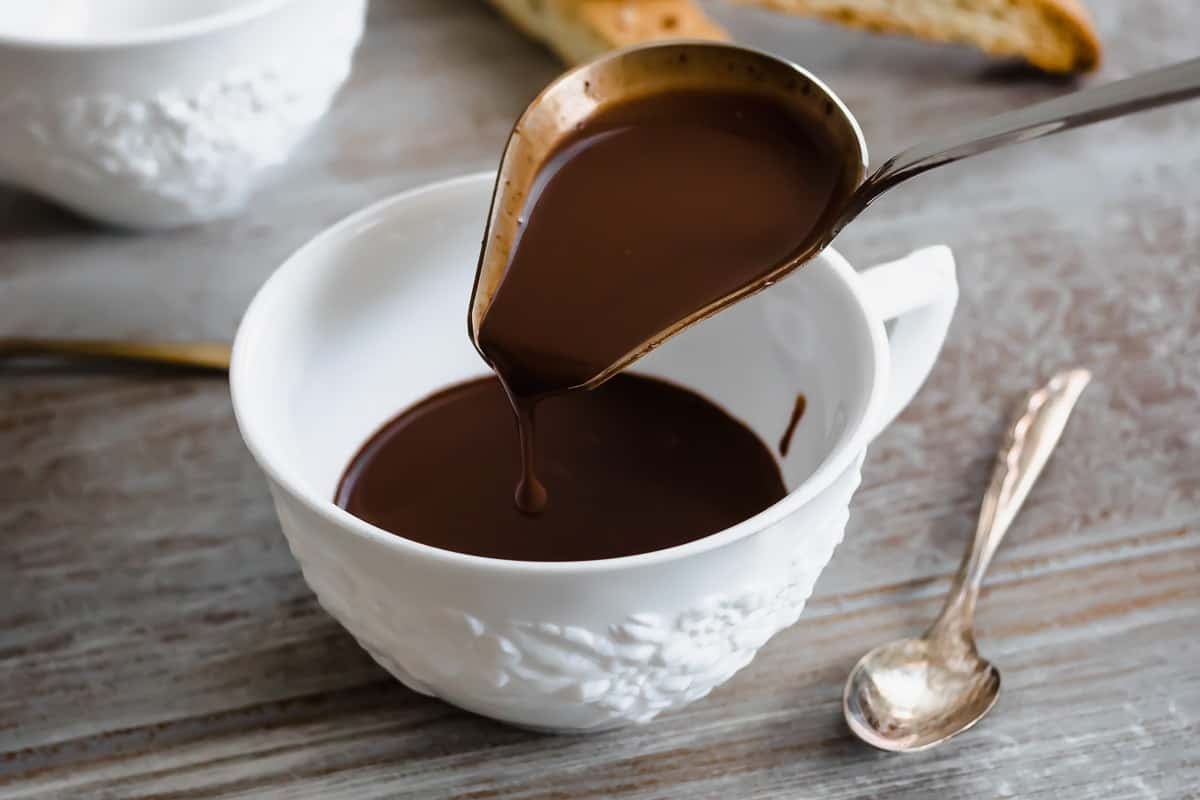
point(156, 638)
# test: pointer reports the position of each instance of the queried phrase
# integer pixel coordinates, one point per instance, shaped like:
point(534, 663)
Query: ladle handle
point(1031, 439)
point(1150, 89)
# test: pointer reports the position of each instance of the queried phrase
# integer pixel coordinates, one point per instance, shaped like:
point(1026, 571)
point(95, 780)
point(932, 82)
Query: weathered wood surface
point(156, 639)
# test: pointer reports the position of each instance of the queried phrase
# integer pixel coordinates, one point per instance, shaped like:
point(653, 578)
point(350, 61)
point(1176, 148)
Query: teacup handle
point(918, 294)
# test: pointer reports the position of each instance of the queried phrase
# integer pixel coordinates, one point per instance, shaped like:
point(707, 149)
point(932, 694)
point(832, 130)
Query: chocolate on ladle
point(653, 209)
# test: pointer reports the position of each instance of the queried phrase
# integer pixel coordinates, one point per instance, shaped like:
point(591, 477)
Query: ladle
point(658, 68)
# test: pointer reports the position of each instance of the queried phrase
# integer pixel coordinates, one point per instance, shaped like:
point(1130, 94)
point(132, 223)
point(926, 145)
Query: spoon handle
point(1150, 89)
point(204, 355)
point(1031, 439)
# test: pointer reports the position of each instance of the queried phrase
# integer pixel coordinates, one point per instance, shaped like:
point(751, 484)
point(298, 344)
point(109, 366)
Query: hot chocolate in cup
point(368, 319)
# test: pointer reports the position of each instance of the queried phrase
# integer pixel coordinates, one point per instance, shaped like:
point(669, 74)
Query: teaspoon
point(912, 694)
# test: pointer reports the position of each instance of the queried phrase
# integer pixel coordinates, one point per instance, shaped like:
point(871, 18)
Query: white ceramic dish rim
point(151, 35)
point(836, 462)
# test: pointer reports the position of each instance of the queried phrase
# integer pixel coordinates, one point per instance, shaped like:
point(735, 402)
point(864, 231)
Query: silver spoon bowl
point(912, 694)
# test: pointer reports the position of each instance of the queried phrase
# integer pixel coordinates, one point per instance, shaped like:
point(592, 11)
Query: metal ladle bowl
point(625, 75)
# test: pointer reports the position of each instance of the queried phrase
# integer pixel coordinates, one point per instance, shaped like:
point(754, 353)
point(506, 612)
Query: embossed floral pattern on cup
point(173, 150)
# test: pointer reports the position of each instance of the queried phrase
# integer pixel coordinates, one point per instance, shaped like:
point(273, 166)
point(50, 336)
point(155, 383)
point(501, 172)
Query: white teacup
point(371, 316)
point(156, 113)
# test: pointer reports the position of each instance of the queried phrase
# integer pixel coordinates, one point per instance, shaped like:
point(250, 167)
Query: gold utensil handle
point(203, 355)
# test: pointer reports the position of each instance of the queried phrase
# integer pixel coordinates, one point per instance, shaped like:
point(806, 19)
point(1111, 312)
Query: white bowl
point(153, 114)
point(371, 317)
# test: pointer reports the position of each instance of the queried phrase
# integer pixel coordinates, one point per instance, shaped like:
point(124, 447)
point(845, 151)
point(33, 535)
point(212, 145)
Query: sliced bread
point(1053, 35)
point(578, 30)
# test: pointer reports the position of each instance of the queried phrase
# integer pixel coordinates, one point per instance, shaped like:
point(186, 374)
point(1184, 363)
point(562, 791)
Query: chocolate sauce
point(633, 466)
point(785, 441)
point(654, 209)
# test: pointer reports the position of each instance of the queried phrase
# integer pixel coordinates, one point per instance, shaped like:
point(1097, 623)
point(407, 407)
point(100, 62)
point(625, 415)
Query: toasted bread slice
point(1053, 35)
point(578, 30)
